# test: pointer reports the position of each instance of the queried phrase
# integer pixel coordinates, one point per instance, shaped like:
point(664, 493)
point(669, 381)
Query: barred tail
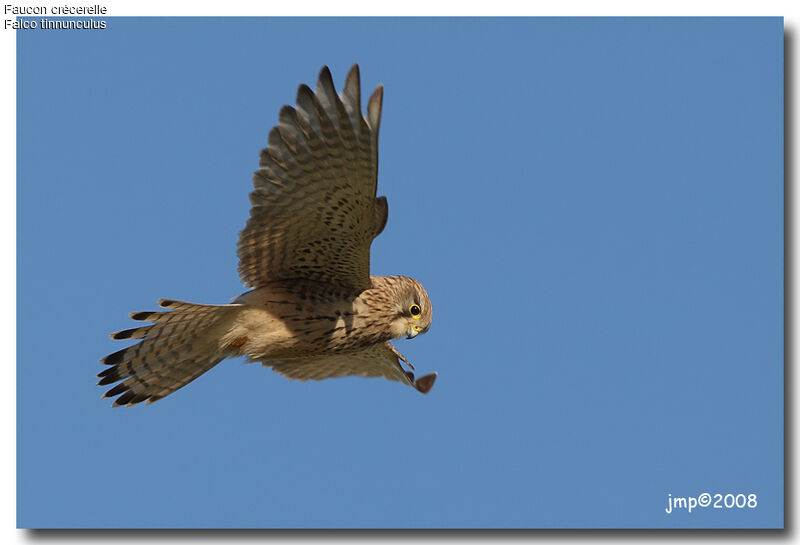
point(181, 345)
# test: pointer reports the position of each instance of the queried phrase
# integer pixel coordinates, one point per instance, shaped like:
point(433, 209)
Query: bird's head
point(412, 307)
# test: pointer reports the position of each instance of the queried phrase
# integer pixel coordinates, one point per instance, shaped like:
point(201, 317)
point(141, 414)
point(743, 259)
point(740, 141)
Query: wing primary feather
point(305, 107)
point(334, 109)
point(351, 97)
point(326, 96)
point(374, 110)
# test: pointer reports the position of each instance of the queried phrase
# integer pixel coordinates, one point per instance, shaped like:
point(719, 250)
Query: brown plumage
point(315, 312)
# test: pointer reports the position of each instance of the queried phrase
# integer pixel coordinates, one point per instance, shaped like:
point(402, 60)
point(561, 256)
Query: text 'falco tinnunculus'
point(314, 311)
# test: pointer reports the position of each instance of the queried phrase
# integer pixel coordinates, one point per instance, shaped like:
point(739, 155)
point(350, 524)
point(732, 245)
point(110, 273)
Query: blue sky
point(595, 207)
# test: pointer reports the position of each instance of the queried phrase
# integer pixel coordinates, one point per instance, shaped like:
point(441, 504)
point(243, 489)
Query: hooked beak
point(412, 330)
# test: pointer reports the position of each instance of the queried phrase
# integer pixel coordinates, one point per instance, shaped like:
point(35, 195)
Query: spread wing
point(314, 211)
point(381, 360)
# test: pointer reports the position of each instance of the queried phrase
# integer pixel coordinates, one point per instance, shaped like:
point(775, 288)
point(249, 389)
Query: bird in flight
point(314, 311)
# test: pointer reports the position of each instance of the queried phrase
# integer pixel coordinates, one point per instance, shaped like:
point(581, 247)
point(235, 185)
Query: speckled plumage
point(315, 312)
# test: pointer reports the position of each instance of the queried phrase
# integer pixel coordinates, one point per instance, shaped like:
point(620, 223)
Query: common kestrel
point(314, 311)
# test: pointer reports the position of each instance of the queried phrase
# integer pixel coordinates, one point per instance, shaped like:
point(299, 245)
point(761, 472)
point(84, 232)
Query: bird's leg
point(399, 355)
point(422, 384)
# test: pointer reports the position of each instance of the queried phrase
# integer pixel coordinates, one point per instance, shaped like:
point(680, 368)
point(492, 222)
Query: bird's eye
point(415, 311)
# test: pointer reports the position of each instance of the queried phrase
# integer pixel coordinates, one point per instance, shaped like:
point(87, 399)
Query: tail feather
point(180, 346)
point(135, 333)
point(163, 323)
